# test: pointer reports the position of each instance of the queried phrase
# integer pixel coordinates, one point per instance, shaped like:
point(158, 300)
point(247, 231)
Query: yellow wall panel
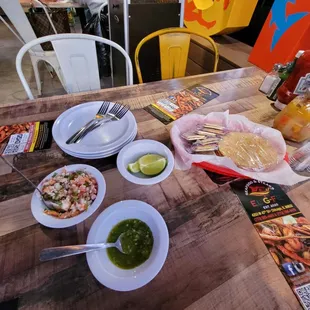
point(219, 17)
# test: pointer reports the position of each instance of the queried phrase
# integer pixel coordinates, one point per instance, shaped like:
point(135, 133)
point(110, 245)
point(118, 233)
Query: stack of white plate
point(102, 142)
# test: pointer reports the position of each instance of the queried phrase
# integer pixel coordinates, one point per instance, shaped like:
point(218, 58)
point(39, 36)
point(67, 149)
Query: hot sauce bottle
point(298, 81)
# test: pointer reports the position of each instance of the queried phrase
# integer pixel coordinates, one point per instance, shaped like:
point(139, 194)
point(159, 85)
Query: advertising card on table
point(284, 230)
point(176, 105)
point(24, 138)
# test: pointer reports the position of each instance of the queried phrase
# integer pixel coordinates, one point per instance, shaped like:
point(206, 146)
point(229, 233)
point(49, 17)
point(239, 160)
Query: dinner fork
point(116, 107)
point(119, 115)
point(100, 114)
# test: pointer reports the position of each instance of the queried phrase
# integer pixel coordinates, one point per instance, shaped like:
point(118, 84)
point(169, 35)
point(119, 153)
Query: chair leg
point(49, 69)
point(35, 63)
point(61, 79)
point(53, 62)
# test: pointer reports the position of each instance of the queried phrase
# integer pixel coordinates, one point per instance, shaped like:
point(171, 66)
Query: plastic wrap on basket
point(249, 151)
point(280, 172)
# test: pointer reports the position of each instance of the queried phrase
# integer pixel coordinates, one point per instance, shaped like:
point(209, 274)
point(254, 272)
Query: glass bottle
point(294, 120)
point(298, 81)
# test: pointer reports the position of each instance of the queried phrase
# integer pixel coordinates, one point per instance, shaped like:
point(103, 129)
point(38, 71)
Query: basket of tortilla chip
point(232, 145)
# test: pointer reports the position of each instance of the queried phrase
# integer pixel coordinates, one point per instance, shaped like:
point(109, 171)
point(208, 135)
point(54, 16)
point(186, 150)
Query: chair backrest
point(174, 45)
point(77, 58)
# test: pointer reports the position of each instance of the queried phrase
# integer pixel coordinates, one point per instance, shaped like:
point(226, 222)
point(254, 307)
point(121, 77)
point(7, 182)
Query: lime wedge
point(134, 167)
point(152, 164)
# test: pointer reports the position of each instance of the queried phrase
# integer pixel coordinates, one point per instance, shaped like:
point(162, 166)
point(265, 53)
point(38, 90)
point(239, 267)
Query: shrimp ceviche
point(74, 192)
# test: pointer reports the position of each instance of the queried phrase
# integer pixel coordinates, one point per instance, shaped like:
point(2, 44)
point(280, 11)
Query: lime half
point(152, 164)
point(134, 167)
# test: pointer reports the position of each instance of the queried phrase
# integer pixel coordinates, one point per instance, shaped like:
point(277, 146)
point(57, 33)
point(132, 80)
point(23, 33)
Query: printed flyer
point(284, 230)
point(24, 138)
point(173, 107)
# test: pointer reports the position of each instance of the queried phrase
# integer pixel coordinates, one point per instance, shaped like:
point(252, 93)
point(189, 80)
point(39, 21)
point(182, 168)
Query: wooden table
point(26, 4)
point(216, 259)
point(51, 4)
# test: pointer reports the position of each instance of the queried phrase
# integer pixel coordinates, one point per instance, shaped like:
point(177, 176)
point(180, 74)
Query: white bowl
point(133, 151)
point(100, 265)
point(37, 206)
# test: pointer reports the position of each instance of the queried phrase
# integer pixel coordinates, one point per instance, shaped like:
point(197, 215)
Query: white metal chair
point(76, 55)
point(16, 14)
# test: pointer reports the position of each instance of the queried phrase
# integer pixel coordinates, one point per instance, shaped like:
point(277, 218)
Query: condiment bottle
point(283, 74)
point(297, 82)
point(271, 79)
point(294, 120)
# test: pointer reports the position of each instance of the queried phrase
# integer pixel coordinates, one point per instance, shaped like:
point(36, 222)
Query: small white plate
point(108, 136)
point(97, 156)
point(101, 154)
point(100, 265)
point(37, 206)
point(133, 151)
point(106, 150)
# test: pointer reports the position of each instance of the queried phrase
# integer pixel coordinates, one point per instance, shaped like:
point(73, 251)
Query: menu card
point(284, 230)
point(176, 105)
point(24, 138)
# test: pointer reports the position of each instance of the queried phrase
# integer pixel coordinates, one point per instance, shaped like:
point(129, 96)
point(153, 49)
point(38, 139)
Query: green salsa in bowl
point(144, 260)
point(137, 243)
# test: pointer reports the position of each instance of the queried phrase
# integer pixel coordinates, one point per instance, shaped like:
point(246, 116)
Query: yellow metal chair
point(174, 46)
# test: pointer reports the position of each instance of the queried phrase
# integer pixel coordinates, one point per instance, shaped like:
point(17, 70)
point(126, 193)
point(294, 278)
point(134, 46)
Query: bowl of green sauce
point(137, 243)
point(145, 241)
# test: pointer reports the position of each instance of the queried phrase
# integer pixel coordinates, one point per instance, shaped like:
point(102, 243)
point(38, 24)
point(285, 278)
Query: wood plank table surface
point(216, 259)
point(51, 4)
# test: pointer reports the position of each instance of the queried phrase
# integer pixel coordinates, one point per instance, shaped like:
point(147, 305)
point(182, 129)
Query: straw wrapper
point(280, 174)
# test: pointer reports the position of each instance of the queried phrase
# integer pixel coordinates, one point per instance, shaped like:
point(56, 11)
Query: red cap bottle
point(298, 81)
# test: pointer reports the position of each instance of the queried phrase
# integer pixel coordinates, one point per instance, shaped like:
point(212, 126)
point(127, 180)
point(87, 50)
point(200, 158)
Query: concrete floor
point(11, 89)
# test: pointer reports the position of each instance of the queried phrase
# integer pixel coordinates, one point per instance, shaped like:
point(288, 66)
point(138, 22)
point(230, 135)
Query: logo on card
point(257, 188)
point(293, 269)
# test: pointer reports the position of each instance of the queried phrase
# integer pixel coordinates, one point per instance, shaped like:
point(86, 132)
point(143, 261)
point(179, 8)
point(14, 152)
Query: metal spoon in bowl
point(70, 250)
point(48, 204)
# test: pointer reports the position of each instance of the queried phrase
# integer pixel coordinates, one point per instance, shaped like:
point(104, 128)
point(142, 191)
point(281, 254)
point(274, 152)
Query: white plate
point(104, 270)
point(109, 136)
point(113, 150)
point(133, 151)
point(37, 207)
point(103, 154)
point(99, 156)
point(106, 150)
